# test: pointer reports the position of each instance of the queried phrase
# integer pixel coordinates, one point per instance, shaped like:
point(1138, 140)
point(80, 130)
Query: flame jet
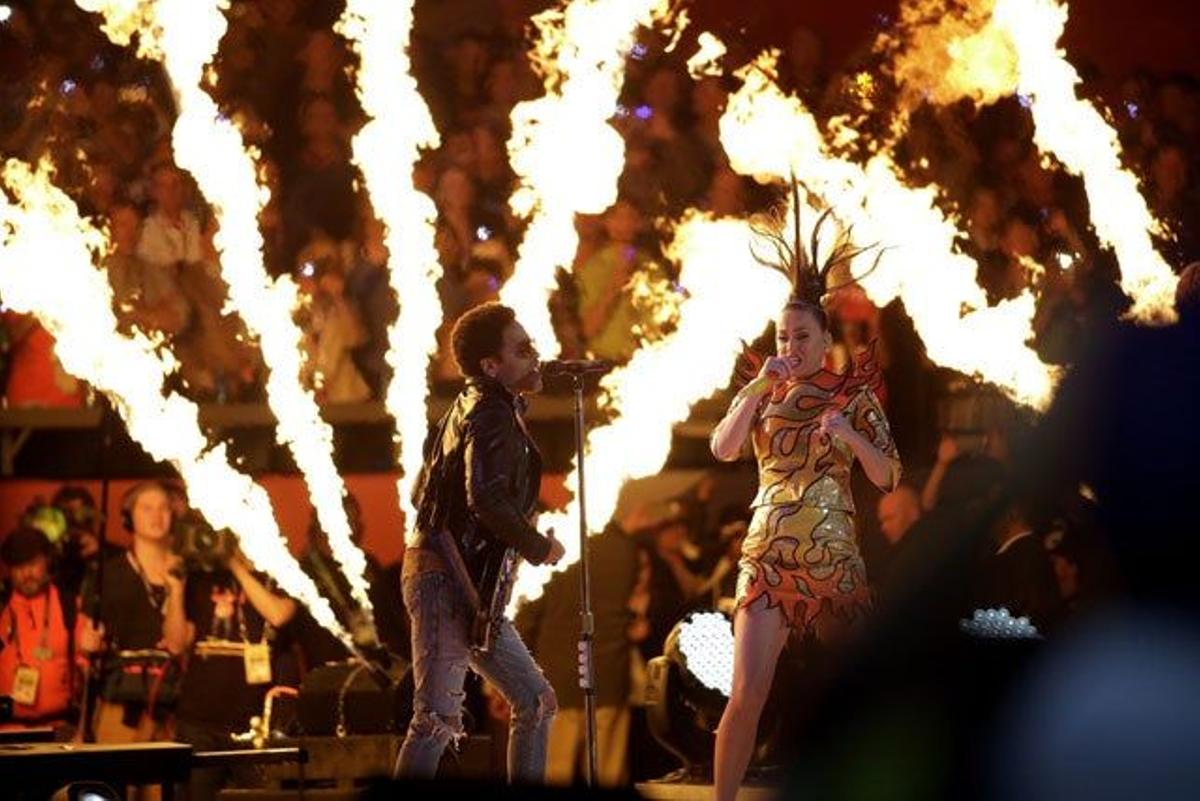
point(989, 49)
point(183, 35)
point(920, 264)
point(47, 269)
point(385, 150)
point(729, 299)
point(566, 154)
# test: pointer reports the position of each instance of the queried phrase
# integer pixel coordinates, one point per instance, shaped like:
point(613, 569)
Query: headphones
point(130, 498)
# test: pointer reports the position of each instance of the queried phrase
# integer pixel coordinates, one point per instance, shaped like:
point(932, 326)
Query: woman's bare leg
point(759, 635)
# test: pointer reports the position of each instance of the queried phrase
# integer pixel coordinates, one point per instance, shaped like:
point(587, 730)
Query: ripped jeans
point(441, 654)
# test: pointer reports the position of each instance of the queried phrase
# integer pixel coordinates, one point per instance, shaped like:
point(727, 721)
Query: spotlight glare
point(706, 644)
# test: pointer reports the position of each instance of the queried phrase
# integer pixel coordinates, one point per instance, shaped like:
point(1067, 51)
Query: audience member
point(146, 296)
point(170, 236)
point(610, 320)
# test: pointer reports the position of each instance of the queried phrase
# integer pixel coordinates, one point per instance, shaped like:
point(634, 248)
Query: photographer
point(83, 549)
point(235, 614)
point(136, 623)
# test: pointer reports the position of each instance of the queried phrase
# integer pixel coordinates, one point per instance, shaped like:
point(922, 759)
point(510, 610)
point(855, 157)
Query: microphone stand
point(587, 628)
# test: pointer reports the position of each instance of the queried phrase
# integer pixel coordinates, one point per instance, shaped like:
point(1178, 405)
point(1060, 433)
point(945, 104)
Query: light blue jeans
point(441, 654)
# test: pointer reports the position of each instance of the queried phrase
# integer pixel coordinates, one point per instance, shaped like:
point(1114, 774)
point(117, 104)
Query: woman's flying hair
point(807, 273)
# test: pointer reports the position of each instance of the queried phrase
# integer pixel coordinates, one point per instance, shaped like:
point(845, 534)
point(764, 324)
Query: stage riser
point(700, 792)
point(351, 761)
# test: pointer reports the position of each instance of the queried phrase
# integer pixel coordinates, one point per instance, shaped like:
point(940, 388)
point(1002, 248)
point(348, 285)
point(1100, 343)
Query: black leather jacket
point(480, 484)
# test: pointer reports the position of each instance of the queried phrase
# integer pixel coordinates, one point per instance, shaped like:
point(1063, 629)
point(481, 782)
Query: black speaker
point(350, 698)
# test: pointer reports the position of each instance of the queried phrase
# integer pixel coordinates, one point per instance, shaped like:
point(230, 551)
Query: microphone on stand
point(576, 367)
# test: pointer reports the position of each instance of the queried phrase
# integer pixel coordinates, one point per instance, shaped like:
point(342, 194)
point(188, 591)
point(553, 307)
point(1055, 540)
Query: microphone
point(775, 374)
point(575, 366)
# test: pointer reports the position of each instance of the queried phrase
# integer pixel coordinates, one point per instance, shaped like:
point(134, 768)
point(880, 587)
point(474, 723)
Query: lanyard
point(156, 594)
point(40, 653)
point(239, 601)
point(268, 631)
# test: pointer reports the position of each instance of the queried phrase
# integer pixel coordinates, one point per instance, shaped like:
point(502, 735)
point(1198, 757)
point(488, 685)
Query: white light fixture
point(706, 644)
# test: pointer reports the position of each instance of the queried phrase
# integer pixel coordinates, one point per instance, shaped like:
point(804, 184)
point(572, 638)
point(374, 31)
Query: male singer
point(475, 500)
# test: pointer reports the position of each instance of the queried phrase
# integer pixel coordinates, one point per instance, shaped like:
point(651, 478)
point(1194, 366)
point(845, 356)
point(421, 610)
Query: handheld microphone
point(575, 366)
point(778, 376)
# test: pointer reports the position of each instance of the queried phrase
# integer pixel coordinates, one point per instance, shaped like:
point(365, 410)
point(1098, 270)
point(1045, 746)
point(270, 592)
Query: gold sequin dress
point(801, 553)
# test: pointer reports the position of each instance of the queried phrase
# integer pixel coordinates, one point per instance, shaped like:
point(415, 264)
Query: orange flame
point(921, 264)
point(184, 34)
point(563, 149)
point(995, 48)
point(388, 145)
point(47, 269)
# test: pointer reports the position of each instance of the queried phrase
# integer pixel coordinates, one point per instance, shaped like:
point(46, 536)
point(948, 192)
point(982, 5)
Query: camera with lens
point(200, 545)
point(971, 414)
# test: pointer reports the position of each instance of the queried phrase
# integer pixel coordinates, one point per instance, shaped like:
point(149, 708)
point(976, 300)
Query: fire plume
point(48, 255)
point(563, 149)
point(989, 49)
point(387, 148)
point(183, 35)
point(920, 264)
point(729, 298)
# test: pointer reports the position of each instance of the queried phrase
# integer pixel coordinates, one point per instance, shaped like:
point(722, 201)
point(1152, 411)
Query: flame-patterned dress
point(801, 553)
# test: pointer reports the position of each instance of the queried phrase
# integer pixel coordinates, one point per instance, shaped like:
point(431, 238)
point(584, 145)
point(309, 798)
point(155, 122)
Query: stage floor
point(690, 791)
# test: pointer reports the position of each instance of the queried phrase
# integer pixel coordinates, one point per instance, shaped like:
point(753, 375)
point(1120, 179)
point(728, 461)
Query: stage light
point(686, 692)
point(999, 624)
point(687, 688)
point(705, 643)
point(86, 791)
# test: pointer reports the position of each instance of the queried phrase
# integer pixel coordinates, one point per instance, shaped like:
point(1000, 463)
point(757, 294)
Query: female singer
point(800, 568)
